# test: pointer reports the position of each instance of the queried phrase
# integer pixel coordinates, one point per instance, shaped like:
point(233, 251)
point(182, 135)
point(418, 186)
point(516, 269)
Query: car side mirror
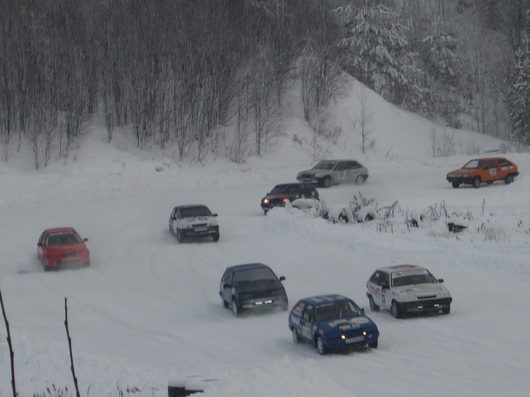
point(226, 285)
point(39, 244)
point(214, 214)
point(282, 278)
point(85, 240)
point(362, 311)
point(385, 286)
point(440, 280)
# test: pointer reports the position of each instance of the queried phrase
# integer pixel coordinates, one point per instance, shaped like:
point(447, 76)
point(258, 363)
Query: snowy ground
point(147, 311)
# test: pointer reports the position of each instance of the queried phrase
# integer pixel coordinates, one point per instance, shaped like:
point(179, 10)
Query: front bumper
point(427, 305)
point(352, 340)
point(460, 179)
point(264, 303)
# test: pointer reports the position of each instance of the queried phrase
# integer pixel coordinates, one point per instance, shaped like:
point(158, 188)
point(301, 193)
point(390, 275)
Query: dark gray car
point(252, 286)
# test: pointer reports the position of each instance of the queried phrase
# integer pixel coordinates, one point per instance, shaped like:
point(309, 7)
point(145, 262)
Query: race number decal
point(493, 171)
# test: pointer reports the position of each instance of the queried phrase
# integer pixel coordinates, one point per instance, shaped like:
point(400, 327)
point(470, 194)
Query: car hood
point(210, 220)
point(462, 171)
point(424, 291)
point(314, 172)
point(347, 324)
point(276, 196)
point(259, 285)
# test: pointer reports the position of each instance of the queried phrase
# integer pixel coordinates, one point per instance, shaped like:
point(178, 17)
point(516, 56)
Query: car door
point(386, 293)
point(41, 249)
point(374, 287)
point(341, 172)
point(226, 286)
point(503, 168)
point(492, 170)
point(171, 218)
point(306, 323)
point(354, 170)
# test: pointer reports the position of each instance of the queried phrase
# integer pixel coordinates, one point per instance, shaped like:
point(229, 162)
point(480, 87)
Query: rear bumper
point(201, 232)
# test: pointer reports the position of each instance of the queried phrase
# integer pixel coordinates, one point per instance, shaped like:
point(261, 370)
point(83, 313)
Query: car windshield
point(250, 275)
point(412, 279)
point(63, 238)
point(194, 211)
point(278, 189)
point(324, 165)
point(473, 164)
point(335, 310)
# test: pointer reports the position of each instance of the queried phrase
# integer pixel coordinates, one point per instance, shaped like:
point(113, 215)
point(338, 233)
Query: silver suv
point(333, 172)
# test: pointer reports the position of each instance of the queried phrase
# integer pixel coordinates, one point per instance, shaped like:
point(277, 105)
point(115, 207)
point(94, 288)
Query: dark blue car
point(332, 323)
point(252, 286)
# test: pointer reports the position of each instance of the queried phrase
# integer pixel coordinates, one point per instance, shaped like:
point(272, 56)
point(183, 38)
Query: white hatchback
point(403, 289)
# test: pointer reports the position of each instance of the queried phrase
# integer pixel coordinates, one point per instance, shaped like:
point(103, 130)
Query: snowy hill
point(147, 310)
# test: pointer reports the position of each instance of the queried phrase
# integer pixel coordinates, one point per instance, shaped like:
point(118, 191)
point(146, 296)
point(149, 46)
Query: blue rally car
point(332, 323)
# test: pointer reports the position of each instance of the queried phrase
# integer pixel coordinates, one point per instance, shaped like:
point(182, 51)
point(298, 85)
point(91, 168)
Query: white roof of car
point(400, 268)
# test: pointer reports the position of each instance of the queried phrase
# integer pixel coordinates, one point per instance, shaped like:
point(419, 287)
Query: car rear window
point(194, 211)
point(62, 238)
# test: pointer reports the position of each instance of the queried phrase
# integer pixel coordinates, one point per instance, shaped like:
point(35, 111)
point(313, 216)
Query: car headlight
point(285, 200)
point(265, 201)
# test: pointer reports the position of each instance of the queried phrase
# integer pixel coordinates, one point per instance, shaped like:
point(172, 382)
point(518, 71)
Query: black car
point(252, 286)
point(288, 192)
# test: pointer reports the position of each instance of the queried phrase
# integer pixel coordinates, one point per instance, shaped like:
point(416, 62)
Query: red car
point(62, 246)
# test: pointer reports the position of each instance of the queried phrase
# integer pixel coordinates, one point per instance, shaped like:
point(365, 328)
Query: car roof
point(247, 266)
point(305, 184)
point(489, 158)
point(338, 160)
point(399, 268)
point(60, 230)
point(315, 300)
point(190, 206)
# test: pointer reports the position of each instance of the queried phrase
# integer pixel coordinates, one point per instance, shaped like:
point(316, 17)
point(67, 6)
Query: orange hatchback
point(485, 170)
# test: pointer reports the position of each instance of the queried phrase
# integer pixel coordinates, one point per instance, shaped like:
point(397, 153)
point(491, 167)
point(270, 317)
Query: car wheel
point(360, 180)
point(446, 309)
point(320, 346)
point(509, 179)
point(373, 306)
point(216, 237)
point(455, 184)
point(180, 237)
point(373, 345)
point(235, 308)
point(476, 182)
point(326, 182)
point(395, 311)
point(296, 337)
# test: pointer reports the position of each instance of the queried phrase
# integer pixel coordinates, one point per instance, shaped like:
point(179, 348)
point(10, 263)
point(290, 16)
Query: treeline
point(176, 72)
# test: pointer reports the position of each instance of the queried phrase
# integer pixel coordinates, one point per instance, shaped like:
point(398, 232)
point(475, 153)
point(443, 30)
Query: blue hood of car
point(346, 324)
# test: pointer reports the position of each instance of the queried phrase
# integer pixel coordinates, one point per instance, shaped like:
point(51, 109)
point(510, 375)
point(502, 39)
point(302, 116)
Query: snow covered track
point(147, 310)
